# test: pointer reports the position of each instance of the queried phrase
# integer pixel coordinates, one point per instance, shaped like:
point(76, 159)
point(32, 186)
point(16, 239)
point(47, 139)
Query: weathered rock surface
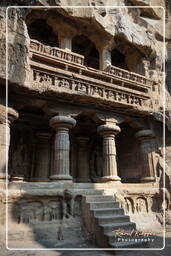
point(142, 28)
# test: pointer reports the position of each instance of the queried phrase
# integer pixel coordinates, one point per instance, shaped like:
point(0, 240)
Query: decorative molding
point(43, 82)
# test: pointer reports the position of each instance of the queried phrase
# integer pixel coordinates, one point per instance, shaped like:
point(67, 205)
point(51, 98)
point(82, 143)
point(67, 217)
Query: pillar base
point(3, 177)
point(148, 179)
point(39, 180)
point(83, 180)
point(110, 178)
point(17, 179)
point(65, 178)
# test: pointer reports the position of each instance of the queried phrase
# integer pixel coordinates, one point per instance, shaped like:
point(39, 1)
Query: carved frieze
point(43, 82)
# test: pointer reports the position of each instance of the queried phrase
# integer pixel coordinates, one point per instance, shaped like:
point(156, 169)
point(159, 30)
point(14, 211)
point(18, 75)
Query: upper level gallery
point(72, 65)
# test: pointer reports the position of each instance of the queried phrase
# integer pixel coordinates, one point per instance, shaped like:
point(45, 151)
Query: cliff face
point(137, 32)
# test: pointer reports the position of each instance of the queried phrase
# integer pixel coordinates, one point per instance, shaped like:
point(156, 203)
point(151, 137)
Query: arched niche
point(127, 56)
point(82, 45)
point(41, 31)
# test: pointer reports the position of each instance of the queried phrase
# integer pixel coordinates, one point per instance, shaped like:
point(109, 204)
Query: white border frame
point(164, 110)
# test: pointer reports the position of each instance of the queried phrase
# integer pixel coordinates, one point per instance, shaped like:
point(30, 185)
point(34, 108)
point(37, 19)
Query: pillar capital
point(62, 123)
point(12, 114)
point(43, 136)
point(82, 140)
point(108, 129)
point(145, 134)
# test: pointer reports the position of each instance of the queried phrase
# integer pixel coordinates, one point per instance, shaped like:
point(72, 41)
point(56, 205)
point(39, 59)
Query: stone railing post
point(83, 161)
point(5, 137)
point(146, 141)
point(42, 157)
point(61, 170)
point(108, 131)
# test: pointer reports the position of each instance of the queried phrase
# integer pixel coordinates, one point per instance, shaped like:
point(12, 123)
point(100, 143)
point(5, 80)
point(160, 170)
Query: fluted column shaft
point(42, 160)
point(146, 142)
point(108, 131)
point(83, 162)
point(62, 124)
point(5, 137)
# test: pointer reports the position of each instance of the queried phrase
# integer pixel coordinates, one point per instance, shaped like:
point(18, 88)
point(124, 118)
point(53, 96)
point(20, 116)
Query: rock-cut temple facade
point(85, 143)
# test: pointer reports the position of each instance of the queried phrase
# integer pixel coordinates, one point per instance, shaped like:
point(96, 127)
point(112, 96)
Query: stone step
point(126, 226)
point(113, 219)
point(94, 198)
point(126, 245)
point(108, 211)
point(104, 204)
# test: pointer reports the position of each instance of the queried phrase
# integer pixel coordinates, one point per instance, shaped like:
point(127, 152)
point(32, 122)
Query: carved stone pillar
point(5, 137)
point(42, 157)
point(146, 141)
point(83, 161)
point(66, 43)
point(61, 170)
point(108, 131)
point(105, 58)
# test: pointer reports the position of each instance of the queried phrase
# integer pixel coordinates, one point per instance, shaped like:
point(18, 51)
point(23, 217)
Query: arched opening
point(41, 31)
point(82, 45)
point(128, 161)
point(118, 59)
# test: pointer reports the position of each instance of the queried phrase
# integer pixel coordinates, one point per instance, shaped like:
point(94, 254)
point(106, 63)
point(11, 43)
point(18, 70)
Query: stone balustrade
point(56, 52)
point(57, 71)
point(128, 76)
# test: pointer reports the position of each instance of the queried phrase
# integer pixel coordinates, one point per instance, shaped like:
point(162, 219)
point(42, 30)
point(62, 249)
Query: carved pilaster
point(61, 170)
point(146, 141)
point(108, 131)
point(83, 161)
point(5, 137)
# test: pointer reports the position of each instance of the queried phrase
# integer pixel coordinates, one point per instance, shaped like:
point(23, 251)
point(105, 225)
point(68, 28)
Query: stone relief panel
point(31, 212)
point(47, 82)
point(141, 205)
point(54, 210)
point(129, 205)
point(138, 205)
point(46, 210)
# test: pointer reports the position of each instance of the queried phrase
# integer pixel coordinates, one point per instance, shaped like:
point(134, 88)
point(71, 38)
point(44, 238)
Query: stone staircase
point(102, 217)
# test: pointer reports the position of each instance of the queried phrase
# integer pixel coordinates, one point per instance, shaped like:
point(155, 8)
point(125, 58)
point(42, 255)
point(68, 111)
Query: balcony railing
point(57, 53)
point(129, 76)
point(59, 71)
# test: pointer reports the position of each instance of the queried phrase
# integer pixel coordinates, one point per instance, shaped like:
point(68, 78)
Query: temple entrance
point(86, 150)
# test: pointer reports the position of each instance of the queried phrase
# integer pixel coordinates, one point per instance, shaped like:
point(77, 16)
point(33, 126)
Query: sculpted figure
point(96, 163)
point(69, 194)
point(60, 233)
point(46, 213)
point(19, 160)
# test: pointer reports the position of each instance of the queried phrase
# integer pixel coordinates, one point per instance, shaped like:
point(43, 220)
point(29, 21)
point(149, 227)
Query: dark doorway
point(82, 45)
point(41, 31)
